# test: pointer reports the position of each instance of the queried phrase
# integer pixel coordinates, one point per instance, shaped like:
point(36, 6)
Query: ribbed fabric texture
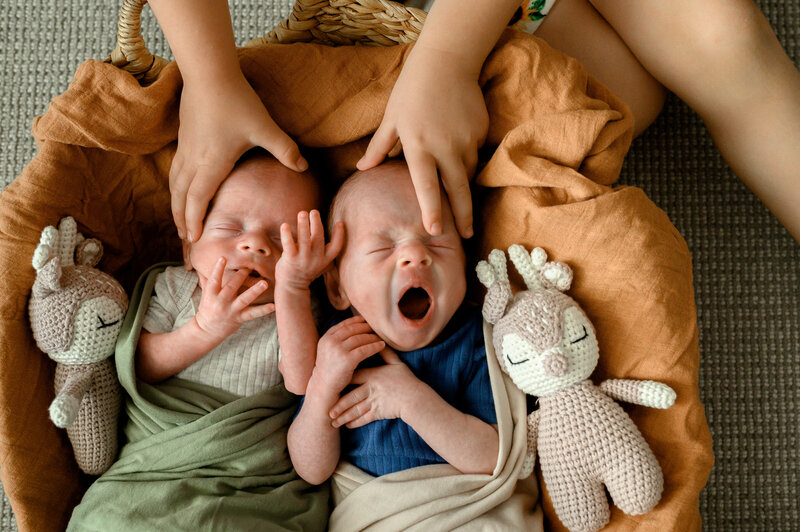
point(244, 363)
point(456, 369)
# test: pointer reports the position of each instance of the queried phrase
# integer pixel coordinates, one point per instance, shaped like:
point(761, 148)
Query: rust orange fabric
point(559, 139)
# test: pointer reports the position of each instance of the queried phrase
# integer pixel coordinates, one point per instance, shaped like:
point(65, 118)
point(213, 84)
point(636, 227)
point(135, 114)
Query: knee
point(730, 32)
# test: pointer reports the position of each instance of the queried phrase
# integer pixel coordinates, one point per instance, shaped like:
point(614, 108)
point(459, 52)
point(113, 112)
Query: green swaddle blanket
point(197, 457)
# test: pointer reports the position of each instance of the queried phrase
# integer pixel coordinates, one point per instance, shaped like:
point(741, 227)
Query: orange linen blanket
point(105, 148)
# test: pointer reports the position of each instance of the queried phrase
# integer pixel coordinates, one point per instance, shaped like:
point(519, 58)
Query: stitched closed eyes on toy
point(585, 440)
point(76, 315)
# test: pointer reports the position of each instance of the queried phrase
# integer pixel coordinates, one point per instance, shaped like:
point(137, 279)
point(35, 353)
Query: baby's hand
point(221, 311)
point(341, 349)
point(303, 261)
point(439, 115)
point(382, 394)
point(218, 122)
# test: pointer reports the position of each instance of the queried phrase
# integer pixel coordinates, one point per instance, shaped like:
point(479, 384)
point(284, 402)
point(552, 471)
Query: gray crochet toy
point(76, 314)
point(585, 440)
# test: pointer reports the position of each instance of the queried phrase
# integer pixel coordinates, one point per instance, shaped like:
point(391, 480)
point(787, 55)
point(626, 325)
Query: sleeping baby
point(207, 448)
point(410, 358)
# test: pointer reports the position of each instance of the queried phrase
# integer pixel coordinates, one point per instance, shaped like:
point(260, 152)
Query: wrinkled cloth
point(198, 457)
point(557, 139)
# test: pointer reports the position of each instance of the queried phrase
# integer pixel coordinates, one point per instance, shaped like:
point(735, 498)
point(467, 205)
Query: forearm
point(298, 336)
point(162, 355)
point(312, 440)
point(200, 37)
point(464, 441)
point(465, 36)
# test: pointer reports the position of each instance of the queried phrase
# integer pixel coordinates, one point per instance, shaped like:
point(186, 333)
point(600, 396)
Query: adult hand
point(219, 122)
point(438, 114)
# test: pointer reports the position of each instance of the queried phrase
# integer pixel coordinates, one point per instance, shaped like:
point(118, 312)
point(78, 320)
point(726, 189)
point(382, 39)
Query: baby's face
point(406, 283)
point(243, 223)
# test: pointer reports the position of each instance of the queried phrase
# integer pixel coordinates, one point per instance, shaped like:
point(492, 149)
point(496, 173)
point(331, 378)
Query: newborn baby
point(426, 398)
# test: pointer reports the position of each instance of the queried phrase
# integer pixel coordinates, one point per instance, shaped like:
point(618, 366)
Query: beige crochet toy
point(76, 314)
point(585, 440)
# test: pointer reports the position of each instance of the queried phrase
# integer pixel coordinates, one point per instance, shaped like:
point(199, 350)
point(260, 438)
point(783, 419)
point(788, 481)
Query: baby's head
point(244, 219)
point(406, 283)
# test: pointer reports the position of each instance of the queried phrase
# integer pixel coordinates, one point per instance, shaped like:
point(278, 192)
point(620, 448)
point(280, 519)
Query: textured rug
point(746, 266)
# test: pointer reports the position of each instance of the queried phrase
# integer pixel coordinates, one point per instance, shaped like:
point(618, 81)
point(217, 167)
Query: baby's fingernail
point(189, 236)
point(436, 228)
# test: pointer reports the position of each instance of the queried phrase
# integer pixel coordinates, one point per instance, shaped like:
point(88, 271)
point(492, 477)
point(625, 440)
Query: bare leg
point(722, 58)
point(604, 54)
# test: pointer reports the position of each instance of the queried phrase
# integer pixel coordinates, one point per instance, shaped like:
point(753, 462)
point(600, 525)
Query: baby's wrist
point(203, 336)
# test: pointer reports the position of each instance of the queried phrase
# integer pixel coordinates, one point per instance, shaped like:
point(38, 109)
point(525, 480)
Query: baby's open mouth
point(253, 273)
point(415, 303)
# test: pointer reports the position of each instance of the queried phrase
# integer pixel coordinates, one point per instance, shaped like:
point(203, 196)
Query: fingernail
point(302, 164)
point(436, 228)
point(469, 232)
point(189, 236)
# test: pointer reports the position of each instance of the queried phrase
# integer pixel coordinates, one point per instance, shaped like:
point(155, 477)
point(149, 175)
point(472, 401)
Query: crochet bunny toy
point(585, 440)
point(76, 314)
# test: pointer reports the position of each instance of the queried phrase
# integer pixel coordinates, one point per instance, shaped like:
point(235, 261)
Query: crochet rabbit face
point(95, 329)
point(75, 309)
point(544, 341)
point(545, 345)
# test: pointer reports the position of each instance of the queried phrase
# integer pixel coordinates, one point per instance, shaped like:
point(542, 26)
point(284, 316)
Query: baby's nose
point(255, 244)
point(414, 254)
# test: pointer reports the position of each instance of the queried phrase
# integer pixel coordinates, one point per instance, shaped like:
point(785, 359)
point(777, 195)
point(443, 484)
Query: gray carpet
point(747, 278)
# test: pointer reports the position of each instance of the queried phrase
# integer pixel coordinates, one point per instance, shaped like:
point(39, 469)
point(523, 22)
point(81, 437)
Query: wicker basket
point(330, 22)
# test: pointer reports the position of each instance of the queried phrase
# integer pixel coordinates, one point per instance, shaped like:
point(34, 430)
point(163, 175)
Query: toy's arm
point(64, 408)
point(645, 393)
point(530, 453)
point(494, 276)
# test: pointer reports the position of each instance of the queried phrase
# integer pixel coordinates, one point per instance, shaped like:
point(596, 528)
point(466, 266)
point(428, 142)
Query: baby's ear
point(186, 248)
point(333, 287)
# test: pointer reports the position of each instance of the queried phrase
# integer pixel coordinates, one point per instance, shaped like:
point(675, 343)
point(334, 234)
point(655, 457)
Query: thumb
point(273, 139)
point(389, 356)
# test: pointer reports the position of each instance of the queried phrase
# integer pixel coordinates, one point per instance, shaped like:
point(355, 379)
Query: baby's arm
point(312, 440)
point(436, 109)
point(392, 391)
point(221, 116)
point(301, 262)
point(220, 313)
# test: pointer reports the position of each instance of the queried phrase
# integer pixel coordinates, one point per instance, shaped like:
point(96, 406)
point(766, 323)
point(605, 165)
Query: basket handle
point(131, 54)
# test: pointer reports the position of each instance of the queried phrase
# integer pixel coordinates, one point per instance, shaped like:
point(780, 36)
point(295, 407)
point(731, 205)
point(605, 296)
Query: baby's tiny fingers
point(337, 240)
point(348, 402)
point(367, 350)
point(214, 281)
point(317, 231)
point(257, 311)
point(349, 327)
point(366, 419)
point(303, 230)
point(235, 282)
point(287, 240)
point(251, 294)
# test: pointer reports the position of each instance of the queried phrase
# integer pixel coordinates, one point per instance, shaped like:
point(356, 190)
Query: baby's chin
point(409, 337)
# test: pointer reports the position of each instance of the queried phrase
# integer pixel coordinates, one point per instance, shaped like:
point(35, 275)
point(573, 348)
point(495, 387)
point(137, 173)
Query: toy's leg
point(635, 482)
point(578, 30)
point(580, 504)
point(722, 58)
